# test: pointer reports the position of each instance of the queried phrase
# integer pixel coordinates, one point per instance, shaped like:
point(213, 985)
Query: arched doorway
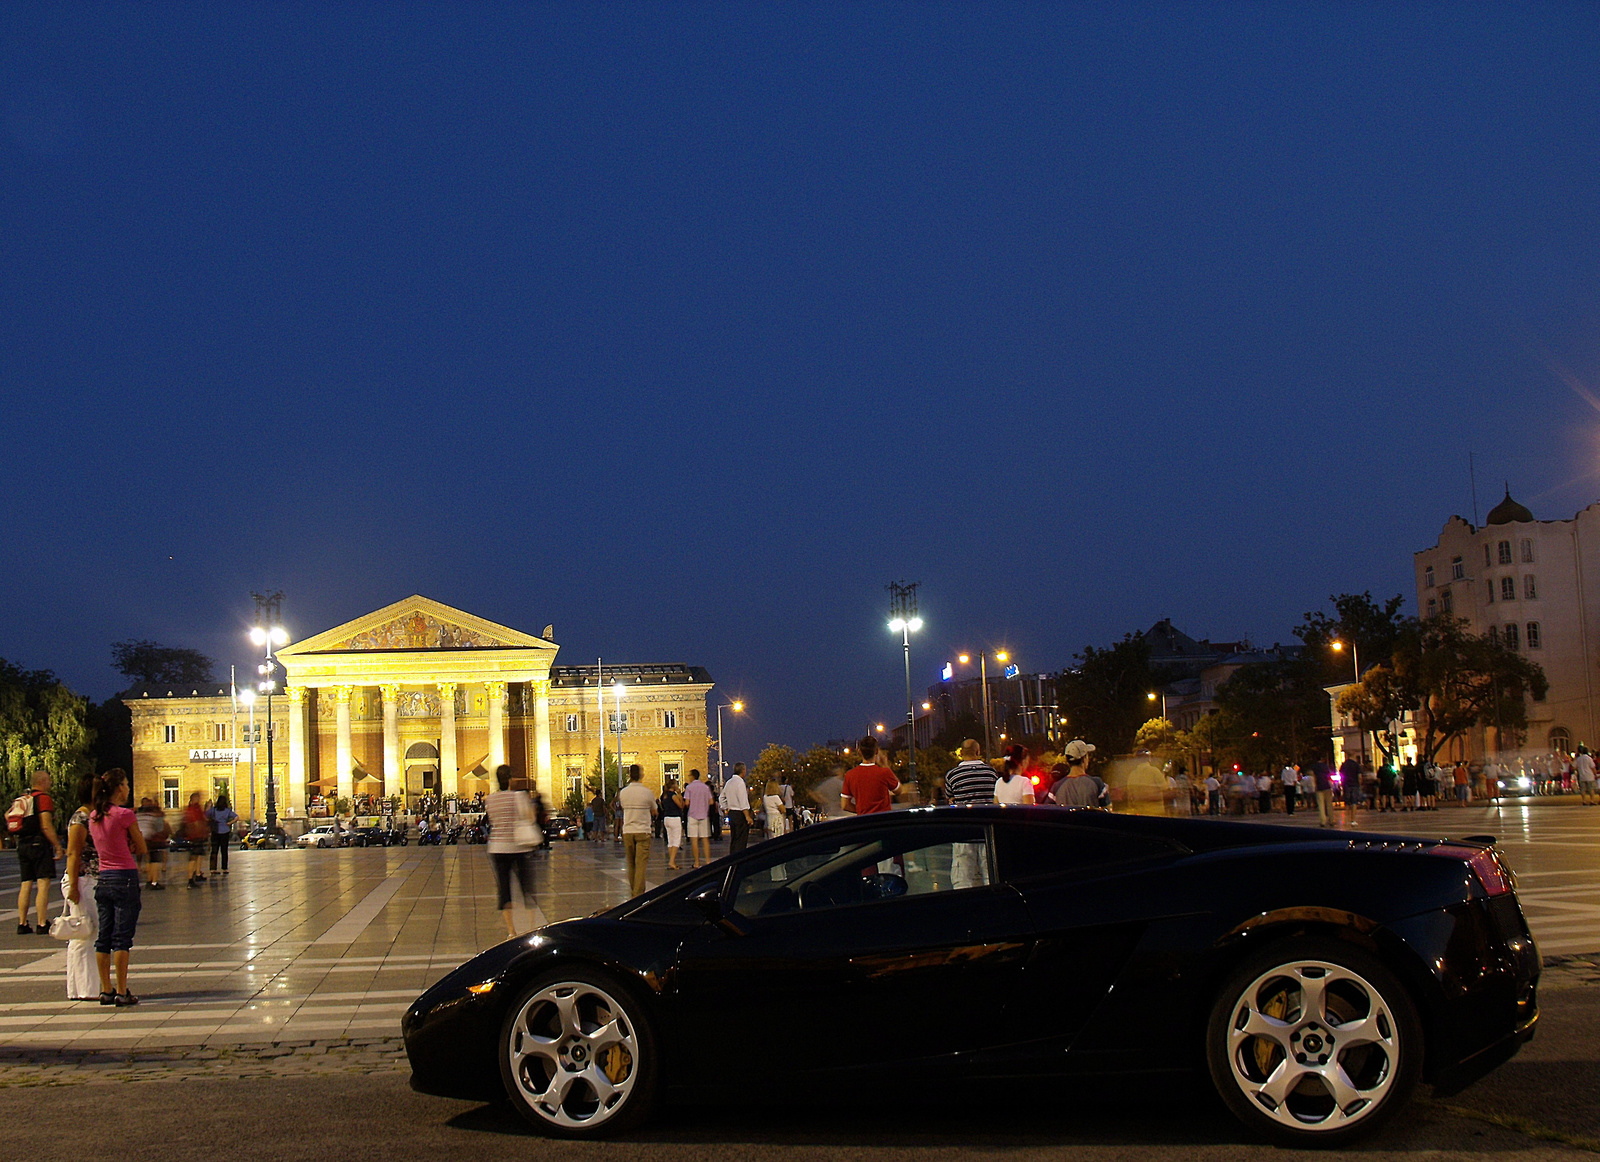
point(422, 771)
point(1560, 740)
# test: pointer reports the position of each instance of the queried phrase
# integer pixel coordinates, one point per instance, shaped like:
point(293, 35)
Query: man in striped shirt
point(970, 782)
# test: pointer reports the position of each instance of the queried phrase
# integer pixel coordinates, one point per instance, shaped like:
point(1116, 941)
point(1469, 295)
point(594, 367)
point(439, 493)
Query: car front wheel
point(576, 1055)
point(1314, 1042)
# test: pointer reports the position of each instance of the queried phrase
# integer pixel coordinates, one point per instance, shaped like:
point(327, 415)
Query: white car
point(322, 835)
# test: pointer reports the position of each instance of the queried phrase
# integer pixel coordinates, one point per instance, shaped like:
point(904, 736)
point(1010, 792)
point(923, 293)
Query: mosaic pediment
point(417, 631)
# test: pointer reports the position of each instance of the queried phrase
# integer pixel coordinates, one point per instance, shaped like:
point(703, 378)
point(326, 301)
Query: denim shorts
point(116, 898)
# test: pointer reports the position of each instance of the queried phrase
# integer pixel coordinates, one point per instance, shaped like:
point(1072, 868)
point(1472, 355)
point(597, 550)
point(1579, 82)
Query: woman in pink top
point(115, 831)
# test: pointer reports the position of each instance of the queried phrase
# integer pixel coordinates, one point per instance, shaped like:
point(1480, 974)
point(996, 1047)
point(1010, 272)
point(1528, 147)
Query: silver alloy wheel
point(1314, 1045)
point(574, 1055)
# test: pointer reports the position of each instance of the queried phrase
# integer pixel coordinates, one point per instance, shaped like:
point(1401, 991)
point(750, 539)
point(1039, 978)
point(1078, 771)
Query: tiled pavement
point(301, 949)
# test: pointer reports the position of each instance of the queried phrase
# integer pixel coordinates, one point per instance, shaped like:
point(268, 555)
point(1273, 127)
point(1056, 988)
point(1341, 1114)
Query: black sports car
point(1316, 977)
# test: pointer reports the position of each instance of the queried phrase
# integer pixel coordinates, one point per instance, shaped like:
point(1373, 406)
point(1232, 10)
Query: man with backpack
point(38, 848)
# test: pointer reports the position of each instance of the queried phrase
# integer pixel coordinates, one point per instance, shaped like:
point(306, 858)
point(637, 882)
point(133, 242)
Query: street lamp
point(904, 621)
point(1002, 657)
point(268, 633)
point(1355, 662)
point(737, 706)
point(1152, 696)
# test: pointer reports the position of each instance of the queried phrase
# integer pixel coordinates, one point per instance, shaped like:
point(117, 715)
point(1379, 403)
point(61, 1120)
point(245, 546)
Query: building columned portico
point(416, 696)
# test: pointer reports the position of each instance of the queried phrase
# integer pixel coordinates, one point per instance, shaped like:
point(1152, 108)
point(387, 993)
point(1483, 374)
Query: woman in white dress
point(772, 801)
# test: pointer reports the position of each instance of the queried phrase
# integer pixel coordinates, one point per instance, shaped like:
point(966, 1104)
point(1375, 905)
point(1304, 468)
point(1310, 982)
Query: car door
point(863, 946)
point(1089, 892)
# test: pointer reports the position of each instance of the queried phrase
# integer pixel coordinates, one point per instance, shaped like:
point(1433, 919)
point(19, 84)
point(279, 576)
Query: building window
point(1494, 634)
point(1530, 588)
point(1446, 601)
point(572, 723)
point(671, 769)
point(1427, 577)
point(1458, 569)
point(1533, 635)
point(169, 794)
point(1560, 740)
point(1433, 607)
point(1527, 551)
point(1505, 552)
point(169, 733)
point(1489, 588)
point(220, 731)
point(617, 723)
point(669, 718)
point(1508, 589)
point(1511, 636)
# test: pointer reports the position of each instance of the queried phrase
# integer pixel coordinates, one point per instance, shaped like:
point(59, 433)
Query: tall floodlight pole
point(737, 706)
point(1355, 659)
point(233, 732)
point(600, 710)
point(903, 620)
point(269, 633)
point(616, 698)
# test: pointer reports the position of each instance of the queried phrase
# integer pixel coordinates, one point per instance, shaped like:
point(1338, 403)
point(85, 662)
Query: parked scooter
point(397, 835)
point(478, 832)
point(429, 837)
point(452, 834)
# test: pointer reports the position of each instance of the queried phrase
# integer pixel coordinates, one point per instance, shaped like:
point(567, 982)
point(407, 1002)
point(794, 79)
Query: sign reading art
point(221, 755)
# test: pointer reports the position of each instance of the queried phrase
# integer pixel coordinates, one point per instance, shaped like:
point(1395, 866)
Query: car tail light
point(1485, 864)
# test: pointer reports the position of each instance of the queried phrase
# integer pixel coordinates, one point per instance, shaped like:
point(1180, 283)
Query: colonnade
point(394, 774)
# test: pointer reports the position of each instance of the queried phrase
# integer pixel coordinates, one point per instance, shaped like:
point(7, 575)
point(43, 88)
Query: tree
point(1273, 712)
point(147, 663)
point(775, 761)
point(43, 725)
point(1107, 696)
point(1373, 630)
point(605, 779)
point(1453, 680)
point(1376, 703)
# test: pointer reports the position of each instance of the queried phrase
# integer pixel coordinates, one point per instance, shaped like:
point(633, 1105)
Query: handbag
point(525, 832)
point(75, 924)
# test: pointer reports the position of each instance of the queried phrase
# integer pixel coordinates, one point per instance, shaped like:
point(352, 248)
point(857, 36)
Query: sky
point(687, 328)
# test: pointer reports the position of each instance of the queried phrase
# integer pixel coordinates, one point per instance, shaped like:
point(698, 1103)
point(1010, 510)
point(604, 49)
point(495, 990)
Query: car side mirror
point(708, 902)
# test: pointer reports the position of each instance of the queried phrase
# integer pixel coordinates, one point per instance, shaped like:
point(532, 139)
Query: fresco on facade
point(417, 631)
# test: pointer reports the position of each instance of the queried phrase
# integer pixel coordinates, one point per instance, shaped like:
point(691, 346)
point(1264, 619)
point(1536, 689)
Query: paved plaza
point(281, 988)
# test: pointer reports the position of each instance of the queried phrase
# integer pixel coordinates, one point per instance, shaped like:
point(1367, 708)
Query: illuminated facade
point(420, 699)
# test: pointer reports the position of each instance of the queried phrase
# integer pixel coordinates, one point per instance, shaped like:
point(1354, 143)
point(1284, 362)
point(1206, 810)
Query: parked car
point(564, 827)
point(322, 835)
point(1314, 979)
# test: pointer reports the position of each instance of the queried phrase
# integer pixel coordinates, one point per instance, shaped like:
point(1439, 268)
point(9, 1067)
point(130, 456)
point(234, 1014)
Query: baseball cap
point(1077, 749)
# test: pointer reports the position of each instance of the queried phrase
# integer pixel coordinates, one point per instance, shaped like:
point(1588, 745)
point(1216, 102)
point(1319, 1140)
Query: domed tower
point(1508, 511)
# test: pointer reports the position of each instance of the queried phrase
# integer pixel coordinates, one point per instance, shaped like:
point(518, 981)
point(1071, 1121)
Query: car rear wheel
point(577, 1056)
point(1314, 1042)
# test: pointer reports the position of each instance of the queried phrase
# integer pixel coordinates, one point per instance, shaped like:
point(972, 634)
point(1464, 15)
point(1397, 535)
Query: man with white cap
point(1078, 789)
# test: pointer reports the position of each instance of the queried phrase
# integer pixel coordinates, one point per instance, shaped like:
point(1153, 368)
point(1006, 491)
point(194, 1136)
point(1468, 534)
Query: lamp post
point(1002, 657)
point(903, 620)
point(737, 707)
point(267, 634)
point(1355, 661)
point(1152, 696)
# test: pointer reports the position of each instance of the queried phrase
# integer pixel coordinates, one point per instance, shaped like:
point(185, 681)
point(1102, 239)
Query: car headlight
point(1523, 783)
point(1499, 782)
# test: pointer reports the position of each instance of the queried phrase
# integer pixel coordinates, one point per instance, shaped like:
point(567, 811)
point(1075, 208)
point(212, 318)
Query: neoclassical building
point(419, 699)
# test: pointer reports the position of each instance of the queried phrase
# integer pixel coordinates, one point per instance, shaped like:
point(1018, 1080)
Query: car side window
point(1034, 849)
point(864, 867)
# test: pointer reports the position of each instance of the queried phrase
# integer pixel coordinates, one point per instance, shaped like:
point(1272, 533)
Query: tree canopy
point(148, 663)
point(45, 725)
point(1106, 697)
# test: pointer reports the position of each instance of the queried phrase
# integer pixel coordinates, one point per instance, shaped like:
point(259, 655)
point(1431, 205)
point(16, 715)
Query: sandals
point(124, 1000)
point(108, 998)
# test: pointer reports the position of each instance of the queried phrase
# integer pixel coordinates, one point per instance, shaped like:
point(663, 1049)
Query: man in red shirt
point(38, 848)
point(868, 788)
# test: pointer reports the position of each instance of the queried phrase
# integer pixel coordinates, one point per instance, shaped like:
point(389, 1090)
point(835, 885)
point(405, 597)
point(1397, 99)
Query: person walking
point(38, 848)
point(83, 868)
point(220, 817)
point(513, 834)
point(698, 807)
point(153, 826)
point(1322, 781)
point(195, 832)
point(116, 837)
point(1463, 782)
point(1583, 767)
point(786, 792)
point(1264, 794)
point(1290, 778)
point(1388, 786)
point(1213, 794)
point(868, 788)
point(971, 782)
point(672, 811)
point(638, 805)
point(736, 802)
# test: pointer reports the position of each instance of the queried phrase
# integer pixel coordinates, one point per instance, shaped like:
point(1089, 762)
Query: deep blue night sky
point(687, 328)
